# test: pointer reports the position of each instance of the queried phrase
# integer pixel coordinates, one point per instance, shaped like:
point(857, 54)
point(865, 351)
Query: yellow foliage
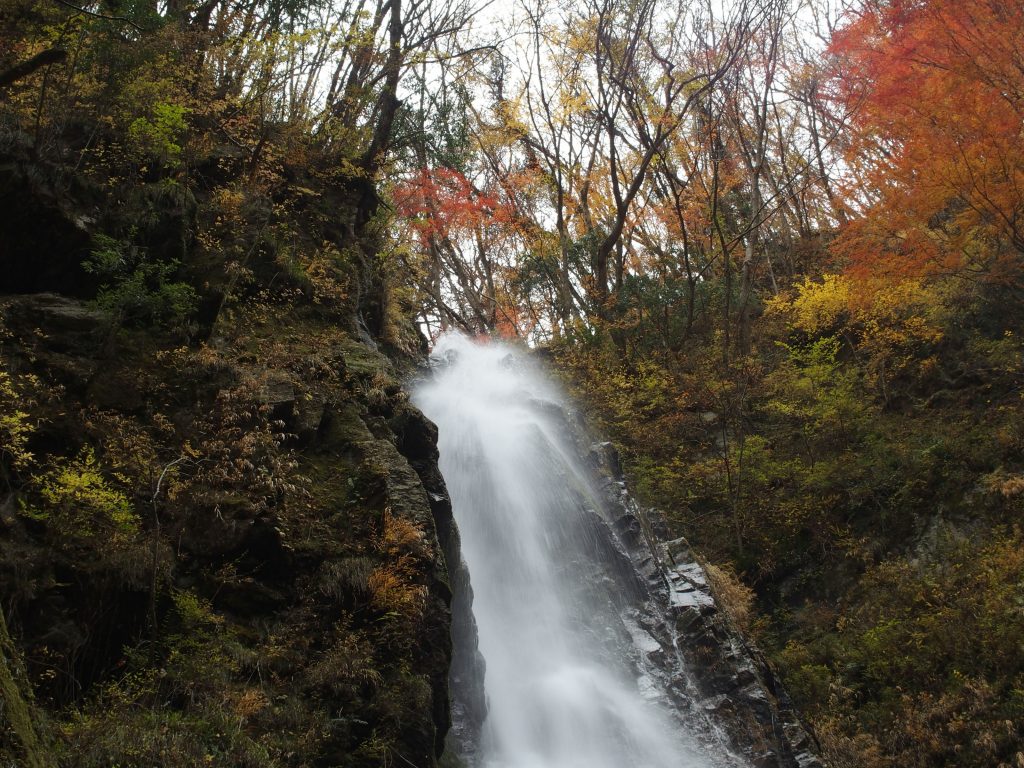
point(903, 309)
point(732, 594)
point(392, 589)
point(1007, 484)
point(251, 702)
point(911, 304)
point(82, 503)
point(398, 535)
point(893, 322)
point(324, 270)
point(817, 306)
point(194, 612)
point(392, 585)
point(14, 424)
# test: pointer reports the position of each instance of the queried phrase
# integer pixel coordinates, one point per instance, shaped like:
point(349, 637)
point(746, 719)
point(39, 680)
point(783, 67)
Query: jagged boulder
point(724, 671)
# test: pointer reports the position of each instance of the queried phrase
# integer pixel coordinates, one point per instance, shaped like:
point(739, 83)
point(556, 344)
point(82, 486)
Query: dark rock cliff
point(277, 592)
point(711, 669)
point(224, 539)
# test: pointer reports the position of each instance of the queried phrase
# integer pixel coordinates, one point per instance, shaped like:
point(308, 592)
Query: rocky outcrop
point(715, 671)
point(417, 439)
point(279, 596)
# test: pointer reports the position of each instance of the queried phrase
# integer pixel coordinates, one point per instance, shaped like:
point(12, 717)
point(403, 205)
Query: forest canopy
point(774, 247)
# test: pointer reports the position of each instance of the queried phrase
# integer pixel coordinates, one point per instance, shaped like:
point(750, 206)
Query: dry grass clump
point(393, 584)
point(732, 595)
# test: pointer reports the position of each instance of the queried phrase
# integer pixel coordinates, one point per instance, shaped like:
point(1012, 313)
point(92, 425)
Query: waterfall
point(567, 678)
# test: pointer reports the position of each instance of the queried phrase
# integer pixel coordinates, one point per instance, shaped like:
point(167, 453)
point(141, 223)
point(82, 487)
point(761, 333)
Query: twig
point(103, 16)
point(156, 548)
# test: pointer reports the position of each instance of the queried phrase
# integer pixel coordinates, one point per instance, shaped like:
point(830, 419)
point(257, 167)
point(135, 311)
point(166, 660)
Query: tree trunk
point(388, 103)
point(17, 709)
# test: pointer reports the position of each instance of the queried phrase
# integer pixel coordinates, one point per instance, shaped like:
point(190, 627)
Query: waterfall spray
point(563, 685)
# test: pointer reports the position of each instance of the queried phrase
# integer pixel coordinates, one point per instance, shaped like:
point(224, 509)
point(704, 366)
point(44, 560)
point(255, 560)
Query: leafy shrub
point(392, 584)
point(160, 134)
point(136, 290)
point(189, 711)
point(15, 427)
point(79, 502)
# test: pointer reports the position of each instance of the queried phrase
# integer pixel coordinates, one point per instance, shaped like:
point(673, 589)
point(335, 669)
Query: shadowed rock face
point(721, 673)
point(335, 678)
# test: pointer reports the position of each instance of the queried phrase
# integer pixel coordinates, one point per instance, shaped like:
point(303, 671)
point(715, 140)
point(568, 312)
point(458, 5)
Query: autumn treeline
point(611, 144)
point(617, 159)
point(562, 166)
point(774, 246)
point(613, 163)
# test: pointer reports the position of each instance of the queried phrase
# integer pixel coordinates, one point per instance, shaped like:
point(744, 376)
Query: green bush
point(160, 134)
point(135, 290)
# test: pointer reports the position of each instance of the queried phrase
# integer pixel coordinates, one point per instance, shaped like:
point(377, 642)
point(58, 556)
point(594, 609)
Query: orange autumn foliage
point(936, 91)
point(443, 202)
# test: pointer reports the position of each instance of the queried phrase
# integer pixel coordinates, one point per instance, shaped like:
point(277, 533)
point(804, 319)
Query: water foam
point(561, 688)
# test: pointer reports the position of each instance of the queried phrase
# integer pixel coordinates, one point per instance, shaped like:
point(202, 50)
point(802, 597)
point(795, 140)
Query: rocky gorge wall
point(283, 596)
point(715, 669)
point(232, 553)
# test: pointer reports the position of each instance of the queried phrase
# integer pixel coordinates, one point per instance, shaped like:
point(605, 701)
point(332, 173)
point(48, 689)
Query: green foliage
point(80, 503)
point(132, 721)
point(15, 426)
point(815, 468)
point(653, 312)
point(813, 392)
point(928, 656)
point(895, 325)
point(188, 155)
point(160, 135)
point(127, 735)
point(136, 290)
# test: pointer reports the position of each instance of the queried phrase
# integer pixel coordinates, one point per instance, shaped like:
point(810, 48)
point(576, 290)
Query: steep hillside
point(223, 532)
point(222, 554)
point(859, 480)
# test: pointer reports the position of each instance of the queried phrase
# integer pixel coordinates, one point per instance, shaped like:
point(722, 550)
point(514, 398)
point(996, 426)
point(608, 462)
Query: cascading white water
point(561, 686)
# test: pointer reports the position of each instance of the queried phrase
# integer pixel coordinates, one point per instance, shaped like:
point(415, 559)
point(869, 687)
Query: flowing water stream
point(564, 683)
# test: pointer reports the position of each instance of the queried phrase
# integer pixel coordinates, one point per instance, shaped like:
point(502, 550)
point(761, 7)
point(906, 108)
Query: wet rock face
point(467, 708)
point(722, 674)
